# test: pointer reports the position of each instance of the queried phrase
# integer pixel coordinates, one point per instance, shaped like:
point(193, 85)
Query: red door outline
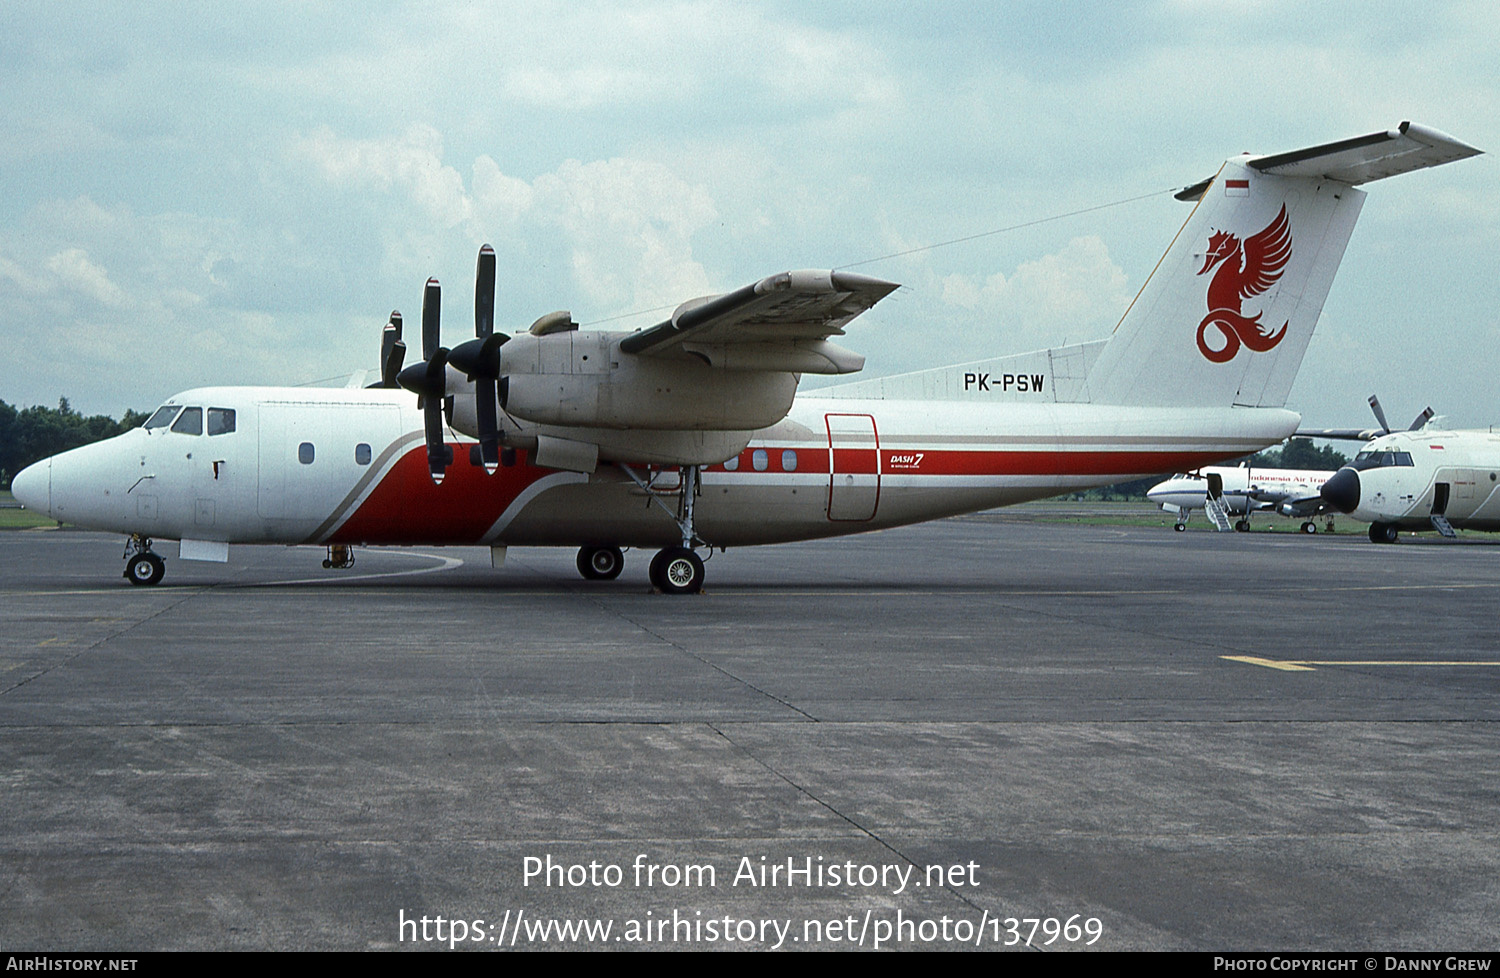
point(853, 467)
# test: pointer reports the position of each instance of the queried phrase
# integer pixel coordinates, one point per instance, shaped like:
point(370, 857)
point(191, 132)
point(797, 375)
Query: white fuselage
point(1246, 489)
point(1406, 477)
point(349, 466)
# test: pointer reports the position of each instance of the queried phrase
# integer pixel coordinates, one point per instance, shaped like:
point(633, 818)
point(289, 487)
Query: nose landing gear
point(142, 566)
point(340, 557)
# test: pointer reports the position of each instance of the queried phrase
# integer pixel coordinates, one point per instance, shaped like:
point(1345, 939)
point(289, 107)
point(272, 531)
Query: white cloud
point(75, 272)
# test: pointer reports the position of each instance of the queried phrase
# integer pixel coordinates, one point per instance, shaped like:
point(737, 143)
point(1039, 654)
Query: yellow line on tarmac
point(1307, 665)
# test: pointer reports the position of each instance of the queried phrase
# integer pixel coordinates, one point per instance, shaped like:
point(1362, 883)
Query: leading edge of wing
point(779, 309)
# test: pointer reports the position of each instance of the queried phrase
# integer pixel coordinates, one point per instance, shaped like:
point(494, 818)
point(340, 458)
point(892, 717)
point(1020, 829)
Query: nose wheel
point(143, 568)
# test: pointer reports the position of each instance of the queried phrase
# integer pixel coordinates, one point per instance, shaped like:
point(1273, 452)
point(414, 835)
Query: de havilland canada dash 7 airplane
point(686, 436)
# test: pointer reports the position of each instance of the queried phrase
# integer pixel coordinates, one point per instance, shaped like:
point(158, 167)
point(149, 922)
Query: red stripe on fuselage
point(407, 506)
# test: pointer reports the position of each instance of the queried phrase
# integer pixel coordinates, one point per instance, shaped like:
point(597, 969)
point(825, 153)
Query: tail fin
point(1226, 316)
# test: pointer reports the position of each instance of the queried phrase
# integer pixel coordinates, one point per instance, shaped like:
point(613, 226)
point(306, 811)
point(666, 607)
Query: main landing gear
point(674, 570)
point(600, 563)
point(1383, 533)
point(142, 566)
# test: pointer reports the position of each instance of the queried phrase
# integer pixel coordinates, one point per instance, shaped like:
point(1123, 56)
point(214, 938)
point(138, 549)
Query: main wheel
point(677, 570)
point(1383, 533)
point(1309, 527)
point(145, 569)
point(600, 563)
point(1243, 526)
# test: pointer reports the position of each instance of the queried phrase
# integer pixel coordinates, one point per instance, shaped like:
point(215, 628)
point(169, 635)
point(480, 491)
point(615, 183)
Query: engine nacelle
point(582, 379)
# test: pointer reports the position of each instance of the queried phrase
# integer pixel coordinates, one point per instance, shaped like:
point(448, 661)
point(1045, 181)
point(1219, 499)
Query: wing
point(1266, 254)
point(1305, 505)
point(780, 323)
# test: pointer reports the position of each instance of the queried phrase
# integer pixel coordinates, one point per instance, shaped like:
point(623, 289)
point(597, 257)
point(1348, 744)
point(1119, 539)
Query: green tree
point(33, 433)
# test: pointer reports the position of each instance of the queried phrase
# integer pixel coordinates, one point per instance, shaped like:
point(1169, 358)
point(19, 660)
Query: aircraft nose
point(1342, 491)
point(33, 486)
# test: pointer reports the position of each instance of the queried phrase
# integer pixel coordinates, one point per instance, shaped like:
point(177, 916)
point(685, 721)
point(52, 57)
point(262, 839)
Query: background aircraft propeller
point(1385, 428)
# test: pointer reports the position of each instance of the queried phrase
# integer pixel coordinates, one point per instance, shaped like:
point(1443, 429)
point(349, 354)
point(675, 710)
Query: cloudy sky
point(240, 193)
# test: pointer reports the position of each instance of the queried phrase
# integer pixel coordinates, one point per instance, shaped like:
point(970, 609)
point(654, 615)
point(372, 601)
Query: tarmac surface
point(1166, 740)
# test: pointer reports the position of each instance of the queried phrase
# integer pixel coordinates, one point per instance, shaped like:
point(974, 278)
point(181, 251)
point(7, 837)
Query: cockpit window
point(220, 421)
point(163, 416)
point(190, 422)
point(1379, 460)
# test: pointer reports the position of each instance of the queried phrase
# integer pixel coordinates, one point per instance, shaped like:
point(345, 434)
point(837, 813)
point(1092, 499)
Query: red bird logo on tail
point(1246, 270)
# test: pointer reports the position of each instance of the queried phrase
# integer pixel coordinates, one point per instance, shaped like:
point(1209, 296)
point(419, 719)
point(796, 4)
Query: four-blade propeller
point(478, 359)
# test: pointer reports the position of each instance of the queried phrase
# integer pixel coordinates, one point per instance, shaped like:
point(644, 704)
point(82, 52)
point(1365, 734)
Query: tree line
point(1297, 453)
point(30, 434)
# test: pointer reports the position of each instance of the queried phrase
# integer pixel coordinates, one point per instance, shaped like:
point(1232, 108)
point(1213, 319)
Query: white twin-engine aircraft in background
point(686, 435)
point(1222, 491)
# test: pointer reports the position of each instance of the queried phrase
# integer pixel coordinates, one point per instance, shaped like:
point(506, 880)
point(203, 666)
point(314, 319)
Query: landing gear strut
point(142, 567)
point(340, 557)
point(678, 570)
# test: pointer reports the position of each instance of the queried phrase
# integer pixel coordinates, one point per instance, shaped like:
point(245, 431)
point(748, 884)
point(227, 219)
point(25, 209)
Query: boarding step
point(1443, 526)
point(1214, 508)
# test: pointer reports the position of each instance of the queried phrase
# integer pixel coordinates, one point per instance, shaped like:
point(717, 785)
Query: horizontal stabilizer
point(1361, 159)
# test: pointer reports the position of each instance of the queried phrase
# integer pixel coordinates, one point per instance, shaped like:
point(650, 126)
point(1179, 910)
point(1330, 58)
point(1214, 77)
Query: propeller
point(429, 381)
point(392, 353)
point(479, 360)
point(1385, 429)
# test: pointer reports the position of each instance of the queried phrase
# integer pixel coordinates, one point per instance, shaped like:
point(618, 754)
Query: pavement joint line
point(595, 598)
point(807, 792)
point(186, 594)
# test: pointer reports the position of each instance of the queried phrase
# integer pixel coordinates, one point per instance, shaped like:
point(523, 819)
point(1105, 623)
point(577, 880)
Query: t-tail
point(1226, 316)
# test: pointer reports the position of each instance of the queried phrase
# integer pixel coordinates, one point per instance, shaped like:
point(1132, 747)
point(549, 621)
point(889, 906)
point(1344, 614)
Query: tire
point(1309, 527)
point(1179, 527)
point(1242, 526)
point(677, 570)
point(1383, 533)
point(145, 570)
point(600, 563)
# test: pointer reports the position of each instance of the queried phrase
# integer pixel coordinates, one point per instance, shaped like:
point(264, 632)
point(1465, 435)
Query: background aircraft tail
point(1227, 314)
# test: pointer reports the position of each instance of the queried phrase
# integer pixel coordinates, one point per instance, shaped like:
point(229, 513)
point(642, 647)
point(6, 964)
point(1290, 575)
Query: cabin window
point(732, 464)
point(361, 454)
point(189, 422)
point(220, 421)
point(788, 461)
point(305, 453)
point(163, 416)
point(759, 460)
